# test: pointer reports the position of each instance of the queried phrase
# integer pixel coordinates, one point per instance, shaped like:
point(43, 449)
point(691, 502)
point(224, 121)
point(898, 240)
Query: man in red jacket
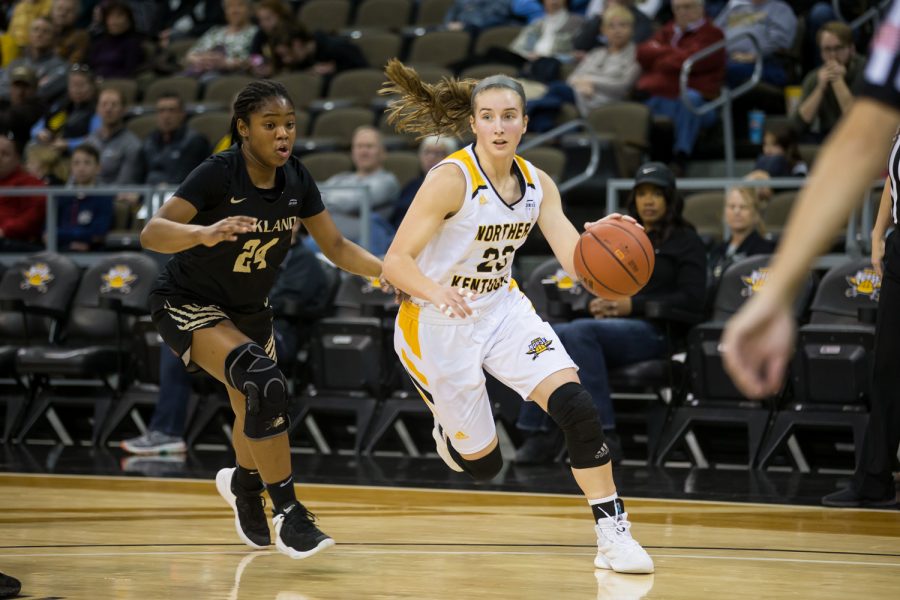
point(21, 217)
point(661, 58)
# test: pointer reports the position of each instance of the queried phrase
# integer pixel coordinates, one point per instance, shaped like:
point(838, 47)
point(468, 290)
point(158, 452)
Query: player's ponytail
point(250, 99)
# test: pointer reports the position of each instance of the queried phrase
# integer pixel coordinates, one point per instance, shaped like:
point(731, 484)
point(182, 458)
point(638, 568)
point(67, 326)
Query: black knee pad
point(573, 410)
point(480, 469)
point(250, 370)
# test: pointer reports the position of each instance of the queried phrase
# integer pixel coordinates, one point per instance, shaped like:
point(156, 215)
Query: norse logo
point(119, 278)
point(538, 346)
point(865, 282)
point(37, 276)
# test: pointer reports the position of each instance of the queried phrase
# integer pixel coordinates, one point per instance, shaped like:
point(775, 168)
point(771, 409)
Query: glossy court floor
point(100, 536)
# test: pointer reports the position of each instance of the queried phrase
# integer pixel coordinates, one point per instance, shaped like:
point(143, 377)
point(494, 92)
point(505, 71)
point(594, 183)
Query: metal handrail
point(593, 139)
point(726, 96)
point(874, 12)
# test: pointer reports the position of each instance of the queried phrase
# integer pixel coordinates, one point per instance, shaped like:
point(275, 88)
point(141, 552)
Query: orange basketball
point(614, 259)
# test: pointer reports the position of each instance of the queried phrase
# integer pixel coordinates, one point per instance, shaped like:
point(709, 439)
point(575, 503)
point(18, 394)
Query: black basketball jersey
point(238, 275)
point(881, 78)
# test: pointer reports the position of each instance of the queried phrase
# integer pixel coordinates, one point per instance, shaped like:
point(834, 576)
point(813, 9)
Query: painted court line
point(452, 553)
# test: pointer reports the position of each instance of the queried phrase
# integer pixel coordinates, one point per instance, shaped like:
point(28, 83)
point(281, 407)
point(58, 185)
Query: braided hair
point(251, 99)
point(441, 109)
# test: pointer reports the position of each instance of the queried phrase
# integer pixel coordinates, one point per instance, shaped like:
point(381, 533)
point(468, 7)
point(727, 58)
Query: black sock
point(247, 479)
point(608, 509)
point(282, 493)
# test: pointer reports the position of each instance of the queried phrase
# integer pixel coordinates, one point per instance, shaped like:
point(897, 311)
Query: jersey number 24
point(253, 252)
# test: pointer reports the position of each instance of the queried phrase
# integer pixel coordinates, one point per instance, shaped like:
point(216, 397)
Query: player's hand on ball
point(451, 301)
point(226, 230)
point(613, 217)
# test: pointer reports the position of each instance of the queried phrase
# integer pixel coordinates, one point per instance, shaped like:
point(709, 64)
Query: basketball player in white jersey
point(453, 256)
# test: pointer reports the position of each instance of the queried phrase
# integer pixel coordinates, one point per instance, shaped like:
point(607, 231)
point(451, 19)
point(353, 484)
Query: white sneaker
point(440, 443)
point(617, 550)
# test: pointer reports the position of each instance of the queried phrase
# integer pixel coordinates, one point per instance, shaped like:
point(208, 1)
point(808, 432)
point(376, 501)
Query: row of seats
point(828, 381)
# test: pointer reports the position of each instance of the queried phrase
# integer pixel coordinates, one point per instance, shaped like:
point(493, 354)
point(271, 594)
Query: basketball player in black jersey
point(229, 228)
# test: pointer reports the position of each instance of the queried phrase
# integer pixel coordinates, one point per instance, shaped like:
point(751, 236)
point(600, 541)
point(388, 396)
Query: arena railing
point(872, 14)
point(726, 95)
point(593, 142)
point(858, 238)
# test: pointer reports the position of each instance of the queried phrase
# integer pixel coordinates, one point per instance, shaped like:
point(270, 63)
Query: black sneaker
point(296, 533)
point(850, 498)
point(9, 586)
point(249, 511)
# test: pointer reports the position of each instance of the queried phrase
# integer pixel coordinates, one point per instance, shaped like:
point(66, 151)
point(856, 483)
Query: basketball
point(614, 259)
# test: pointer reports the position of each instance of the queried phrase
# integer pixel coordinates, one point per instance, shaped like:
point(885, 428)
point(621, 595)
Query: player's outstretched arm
point(759, 339)
point(342, 252)
point(440, 197)
point(169, 230)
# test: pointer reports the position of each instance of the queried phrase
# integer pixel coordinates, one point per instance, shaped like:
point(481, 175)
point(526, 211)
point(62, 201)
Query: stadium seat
point(486, 70)
point(323, 165)
point(501, 37)
point(329, 16)
point(128, 87)
point(439, 48)
point(703, 210)
point(303, 88)
point(35, 294)
point(142, 125)
point(211, 125)
point(778, 210)
point(832, 366)
point(383, 14)
point(404, 166)
point(550, 160)
point(713, 399)
point(93, 363)
point(356, 87)
point(185, 87)
point(629, 125)
point(379, 47)
point(223, 90)
point(431, 13)
point(334, 129)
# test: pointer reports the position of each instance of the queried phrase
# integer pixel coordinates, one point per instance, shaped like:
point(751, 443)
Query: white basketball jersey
point(474, 248)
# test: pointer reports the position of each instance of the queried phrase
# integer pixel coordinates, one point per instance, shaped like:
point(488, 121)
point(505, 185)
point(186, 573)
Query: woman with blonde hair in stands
point(464, 314)
point(743, 216)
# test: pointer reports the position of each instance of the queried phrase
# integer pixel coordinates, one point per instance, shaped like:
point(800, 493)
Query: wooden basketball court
point(93, 537)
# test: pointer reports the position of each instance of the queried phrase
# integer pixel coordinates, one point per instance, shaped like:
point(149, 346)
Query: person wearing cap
point(21, 217)
point(23, 107)
point(40, 56)
point(616, 332)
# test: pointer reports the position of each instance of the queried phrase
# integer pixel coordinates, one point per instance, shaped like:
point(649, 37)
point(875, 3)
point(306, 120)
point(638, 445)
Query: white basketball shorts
point(445, 357)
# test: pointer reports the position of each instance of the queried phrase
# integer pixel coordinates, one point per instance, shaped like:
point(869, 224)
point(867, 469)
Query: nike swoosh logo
point(237, 200)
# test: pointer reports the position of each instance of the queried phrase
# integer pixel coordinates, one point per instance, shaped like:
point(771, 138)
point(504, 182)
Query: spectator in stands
point(547, 42)
point(618, 334)
point(271, 16)
point(780, 155)
point(591, 34)
point(83, 218)
point(296, 49)
point(367, 153)
point(301, 282)
point(46, 163)
point(21, 217)
point(40, 58)
point(188, 18)
point(71, 41)
point(743, 216)
point(117, 51)
point(23, 108)
point(772, 23)
point(24, 13)
point(827, 91)
point(119, 148)
point(172, 150)
point(71, 119)
point(225, 48)
point(607, 74)
point(661, 59)
point(475, 15)
point(432, 150)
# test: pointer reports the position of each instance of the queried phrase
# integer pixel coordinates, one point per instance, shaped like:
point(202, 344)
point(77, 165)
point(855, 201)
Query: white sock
point(602, 500)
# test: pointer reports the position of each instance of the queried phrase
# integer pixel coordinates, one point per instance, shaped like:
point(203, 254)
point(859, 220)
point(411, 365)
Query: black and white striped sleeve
point(881, 79)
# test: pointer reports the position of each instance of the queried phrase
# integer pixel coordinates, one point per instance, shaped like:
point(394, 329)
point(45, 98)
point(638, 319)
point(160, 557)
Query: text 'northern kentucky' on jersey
point(238, 275)
point(474, 249)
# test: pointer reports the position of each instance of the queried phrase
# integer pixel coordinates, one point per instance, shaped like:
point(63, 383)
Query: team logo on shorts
point(865, 282)
point(37, 276)
point(538, 346)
